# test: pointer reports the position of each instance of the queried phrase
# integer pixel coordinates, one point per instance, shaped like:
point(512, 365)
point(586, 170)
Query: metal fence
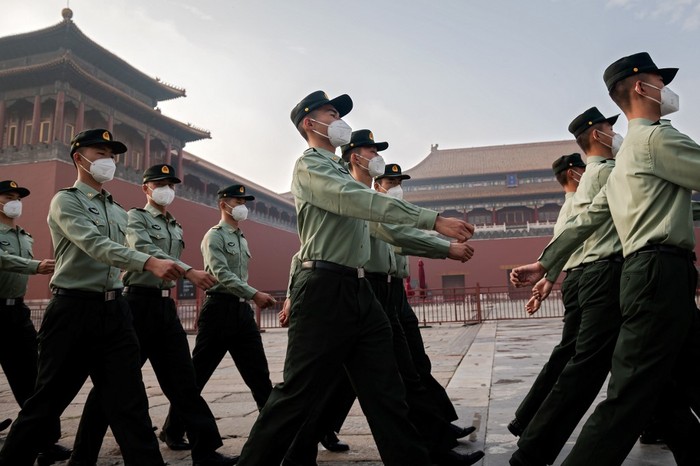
point(433, 306)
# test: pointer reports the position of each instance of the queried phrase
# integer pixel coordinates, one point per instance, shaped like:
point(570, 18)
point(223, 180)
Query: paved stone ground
point(487, 368)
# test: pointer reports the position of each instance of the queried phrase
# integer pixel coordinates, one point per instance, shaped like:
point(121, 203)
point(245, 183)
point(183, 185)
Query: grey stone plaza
point(487, 369)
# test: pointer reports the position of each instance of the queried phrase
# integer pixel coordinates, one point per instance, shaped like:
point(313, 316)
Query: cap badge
point(241, 189)
point(635, 69)
point(165, 169)
point(13, 184)
point(105, 136)
point(371, 136)
point(395, 168)
point(325, 96)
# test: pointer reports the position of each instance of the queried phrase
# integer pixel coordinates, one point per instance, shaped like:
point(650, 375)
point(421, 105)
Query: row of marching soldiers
point(351, 333)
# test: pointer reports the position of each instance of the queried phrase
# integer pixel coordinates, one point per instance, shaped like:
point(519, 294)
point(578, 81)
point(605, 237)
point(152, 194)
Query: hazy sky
point(458, 73)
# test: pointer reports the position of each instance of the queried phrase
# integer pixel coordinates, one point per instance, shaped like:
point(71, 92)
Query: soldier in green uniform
point(599, 302)
point(154, 231)
point(335, 319)
point(364, 162)
point(648, 196)
point(227, 322)
point(390, 183)
point(568, 170)
point(87, 329)
point(18, 347)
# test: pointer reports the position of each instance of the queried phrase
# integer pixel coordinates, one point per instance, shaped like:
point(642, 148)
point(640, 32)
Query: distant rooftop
point(489, 160)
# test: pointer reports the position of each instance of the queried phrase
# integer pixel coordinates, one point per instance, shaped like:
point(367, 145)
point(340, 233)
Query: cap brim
point(175, 179)
point(667, 74)
point(381, 146)
point(23, 192)
point(612, 119)
point(401, 177)
point(342, 103)
point(116, 146)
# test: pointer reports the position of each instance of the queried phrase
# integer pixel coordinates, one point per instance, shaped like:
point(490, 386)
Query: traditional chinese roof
point(547, 188)
point(66, 36)
point(479, 161)
point(67, 68)
point(254, 188)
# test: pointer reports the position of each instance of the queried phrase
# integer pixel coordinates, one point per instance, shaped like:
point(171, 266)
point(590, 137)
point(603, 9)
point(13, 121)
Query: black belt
point(213, 294)
point(666, 249)
point(578, 268)
point(11, 301)
point(378, 276)
point(615, 258)
point(109, 295)
point(333, 267)
point(146, 291)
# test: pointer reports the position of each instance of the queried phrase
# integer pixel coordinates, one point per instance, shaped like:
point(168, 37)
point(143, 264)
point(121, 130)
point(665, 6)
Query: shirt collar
point(5, 228)
point(327, 154)
point(595, 159)
point(228, 228)
point(157, 213)
point(568, 195)
point(640, 122)
point(89, 191)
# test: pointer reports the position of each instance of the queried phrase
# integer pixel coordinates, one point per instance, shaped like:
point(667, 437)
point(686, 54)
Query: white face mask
point(163, 195)
point(614, 144)
point(339, 132)
point(575, 176)
point(669, 102)
point(102, 170)
point(395, 192)
point(12, 209)
point(239, 213)
point(375, 166)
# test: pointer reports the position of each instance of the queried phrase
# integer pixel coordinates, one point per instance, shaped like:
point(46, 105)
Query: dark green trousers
point(335, 320)
point(657, 344)
point(583, 376)
point(561, 354)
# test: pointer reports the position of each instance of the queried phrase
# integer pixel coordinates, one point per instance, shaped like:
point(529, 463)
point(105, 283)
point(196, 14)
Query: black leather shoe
point(172, 443)
point(331, 442)
point(452, 458)
point(461, 432)
point(651, 437)
point(215, 459)
point(52, 454)
point(515, 428)
point(5, 424)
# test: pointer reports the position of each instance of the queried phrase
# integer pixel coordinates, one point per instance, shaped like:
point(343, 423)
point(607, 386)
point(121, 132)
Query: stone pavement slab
point(487, 369)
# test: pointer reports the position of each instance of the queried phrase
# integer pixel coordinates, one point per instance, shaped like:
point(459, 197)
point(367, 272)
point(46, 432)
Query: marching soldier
point(227, 322)
point(154, 231)
point(87, 329)
point(18, 347)
point(332, 209)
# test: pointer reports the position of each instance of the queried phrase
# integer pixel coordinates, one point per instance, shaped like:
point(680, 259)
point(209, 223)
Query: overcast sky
point(458, 73)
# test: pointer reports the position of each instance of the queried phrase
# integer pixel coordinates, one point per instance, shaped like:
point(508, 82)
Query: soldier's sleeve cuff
point(426, 219)
point(138, 261)
point(33, 266)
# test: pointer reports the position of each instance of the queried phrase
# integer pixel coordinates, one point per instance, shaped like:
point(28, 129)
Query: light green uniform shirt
point(16, 261)
point(226, 256)
point(333, 209)
point(157, 235)
point(604, 242)
point(647, 194)
point(409, 240)
point(88, 230)
point(402, 266)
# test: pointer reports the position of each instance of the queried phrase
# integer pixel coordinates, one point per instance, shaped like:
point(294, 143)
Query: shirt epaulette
point(140, 209)
point(216, 227)
point(71, 189)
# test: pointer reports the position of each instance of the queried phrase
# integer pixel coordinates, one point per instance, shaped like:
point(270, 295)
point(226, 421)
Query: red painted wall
point(270, 247)
point(491, 260)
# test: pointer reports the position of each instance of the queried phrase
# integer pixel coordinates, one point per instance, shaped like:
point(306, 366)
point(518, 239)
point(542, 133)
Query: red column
point(2, 123)
point(493, 216)
point(147, 150)
point(537, 217)
point(36, 117)
point(168, 156)
point(58, 117)
point(80, 118)
point(180, 173)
